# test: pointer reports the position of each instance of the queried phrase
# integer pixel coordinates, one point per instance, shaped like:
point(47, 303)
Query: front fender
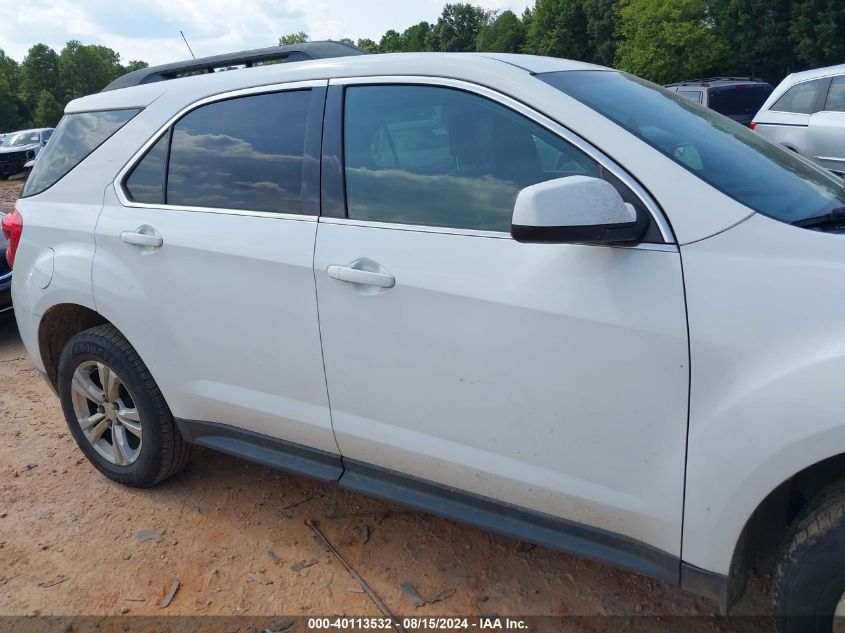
point(767, 345)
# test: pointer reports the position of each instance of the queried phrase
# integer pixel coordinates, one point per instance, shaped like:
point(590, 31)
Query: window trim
point(519, 107)
point(315, 111)
point(833, 78)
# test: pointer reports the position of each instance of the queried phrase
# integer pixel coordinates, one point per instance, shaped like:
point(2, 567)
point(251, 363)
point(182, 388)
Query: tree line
point(34, 93)
point(660, 40)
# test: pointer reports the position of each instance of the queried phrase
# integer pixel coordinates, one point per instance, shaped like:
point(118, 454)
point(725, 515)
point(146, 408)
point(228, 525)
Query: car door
point(826, 129)
point(787, 119)
point(204, 261)
point(552, 378)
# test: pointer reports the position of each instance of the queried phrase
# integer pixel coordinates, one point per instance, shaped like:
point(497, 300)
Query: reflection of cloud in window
point(391, 195)
point(218, 170)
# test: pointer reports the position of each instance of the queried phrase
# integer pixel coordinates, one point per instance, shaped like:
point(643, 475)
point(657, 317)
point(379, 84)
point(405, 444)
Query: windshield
point(20, 139)
point(723, 153)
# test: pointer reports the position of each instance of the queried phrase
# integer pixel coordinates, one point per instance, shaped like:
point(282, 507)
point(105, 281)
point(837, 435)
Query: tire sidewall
point(88, 346)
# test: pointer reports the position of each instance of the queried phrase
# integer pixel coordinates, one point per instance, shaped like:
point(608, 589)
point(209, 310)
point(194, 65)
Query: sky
point(149, 30)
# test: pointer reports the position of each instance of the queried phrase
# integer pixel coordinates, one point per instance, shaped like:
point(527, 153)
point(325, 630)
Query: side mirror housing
point(575, 210)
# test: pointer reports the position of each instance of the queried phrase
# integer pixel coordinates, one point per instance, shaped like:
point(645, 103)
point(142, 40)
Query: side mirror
point(575, 210)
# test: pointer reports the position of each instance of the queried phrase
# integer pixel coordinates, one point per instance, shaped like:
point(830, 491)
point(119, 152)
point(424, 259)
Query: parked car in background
point(5, 278)
point(806, 113)
point(18, 148)
point(736, 97)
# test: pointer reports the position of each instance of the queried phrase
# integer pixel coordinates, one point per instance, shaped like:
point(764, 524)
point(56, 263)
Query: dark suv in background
point(736, 97)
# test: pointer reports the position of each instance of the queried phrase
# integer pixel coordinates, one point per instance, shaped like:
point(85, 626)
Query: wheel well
point(769, 524)
point(57, 326)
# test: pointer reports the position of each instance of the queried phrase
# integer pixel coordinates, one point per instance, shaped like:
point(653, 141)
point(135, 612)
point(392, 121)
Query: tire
point(810, 577)
point(141, 446)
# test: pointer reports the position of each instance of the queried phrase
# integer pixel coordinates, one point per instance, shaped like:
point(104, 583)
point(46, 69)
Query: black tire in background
point(810, 577)
point(163, 452)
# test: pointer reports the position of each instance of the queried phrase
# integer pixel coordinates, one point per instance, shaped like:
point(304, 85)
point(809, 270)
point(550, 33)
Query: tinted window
point(243, 153)
point(77, 135)
point(836, 96)
point(442, 157)
point(738, 100)
point(146, 181)
point(802, 98)
point(723, 153)
point(45, 136)
point(692, 95)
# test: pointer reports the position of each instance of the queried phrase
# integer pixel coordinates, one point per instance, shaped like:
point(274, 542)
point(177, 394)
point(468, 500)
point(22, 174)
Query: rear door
point(787, 119)
point(827, 128)
point(204, 261)
point(550, 377)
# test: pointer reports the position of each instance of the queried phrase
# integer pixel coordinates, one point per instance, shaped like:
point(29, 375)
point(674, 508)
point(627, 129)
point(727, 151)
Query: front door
point(550, 377)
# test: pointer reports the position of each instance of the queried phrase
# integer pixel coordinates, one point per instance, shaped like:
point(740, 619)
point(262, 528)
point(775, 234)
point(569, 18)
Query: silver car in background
point(806, 114)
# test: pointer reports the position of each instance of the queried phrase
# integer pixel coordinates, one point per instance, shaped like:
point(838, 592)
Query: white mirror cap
point(572, 201)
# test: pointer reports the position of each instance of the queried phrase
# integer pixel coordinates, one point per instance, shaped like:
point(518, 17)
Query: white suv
point(538, 296)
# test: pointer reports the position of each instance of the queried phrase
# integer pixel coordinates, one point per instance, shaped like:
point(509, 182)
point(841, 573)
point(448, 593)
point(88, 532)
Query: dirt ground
point(234, 534)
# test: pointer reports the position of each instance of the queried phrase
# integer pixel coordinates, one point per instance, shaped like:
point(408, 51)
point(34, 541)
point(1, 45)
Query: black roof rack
point(291, 53)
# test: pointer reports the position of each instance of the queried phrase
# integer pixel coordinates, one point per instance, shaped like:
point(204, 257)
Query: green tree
point(391, 42)
point(347, 40)
point(668, 41)
point(13, 115)
point(134, 65)
point(757, 32)
point(416, 38)
point(86, 68)
point(48, 111)
point(10, 71)
point(505, 34)
point(458, 27)
point(601, 30)
point(39, 72)
point(368, 45)
point(818, 31)
point(559, 29)
point(299, 37)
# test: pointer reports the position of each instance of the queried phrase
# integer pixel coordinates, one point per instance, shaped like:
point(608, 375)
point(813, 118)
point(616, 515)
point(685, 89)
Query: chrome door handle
point(363, 277)
point(136, 238)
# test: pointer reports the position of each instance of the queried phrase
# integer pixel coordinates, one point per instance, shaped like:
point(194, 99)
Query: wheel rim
point(106, 413)
point(839, 616)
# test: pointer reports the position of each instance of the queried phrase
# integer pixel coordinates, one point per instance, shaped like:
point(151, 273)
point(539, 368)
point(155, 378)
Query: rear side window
point(437, 156)
point(802, 98)
point(76, 136)
point(244, 153)
point(740, 99)
point(836, 96)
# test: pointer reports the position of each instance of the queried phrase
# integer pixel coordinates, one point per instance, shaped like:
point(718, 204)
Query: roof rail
point(291, 53)
point(709, 80)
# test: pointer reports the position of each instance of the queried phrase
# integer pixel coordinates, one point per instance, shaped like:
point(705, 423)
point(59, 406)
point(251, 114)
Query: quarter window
point(243, 153)
point(836, 96)
point(77, 135)
point(802, 98)
point(146, 181)
point(443, 157)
